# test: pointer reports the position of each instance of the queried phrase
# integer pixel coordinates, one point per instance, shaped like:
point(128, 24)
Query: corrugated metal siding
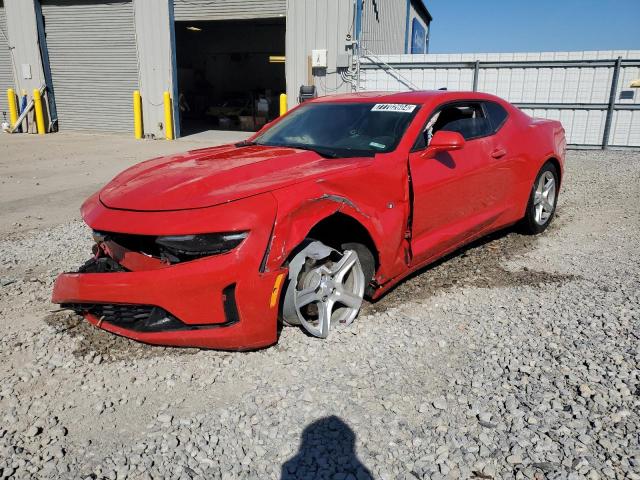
point(383, 26)
point(588, 85)
point(25, 49)
point(6, 67)
point(228, 9)
point(316, 24)
point(92, 52)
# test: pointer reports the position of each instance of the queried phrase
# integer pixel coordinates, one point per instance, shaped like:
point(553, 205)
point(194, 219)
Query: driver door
point(452, 191)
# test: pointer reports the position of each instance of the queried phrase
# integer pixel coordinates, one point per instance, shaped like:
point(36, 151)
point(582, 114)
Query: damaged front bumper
point(221, 301)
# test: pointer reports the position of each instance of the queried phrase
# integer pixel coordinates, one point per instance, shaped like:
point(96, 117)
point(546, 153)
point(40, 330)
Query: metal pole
point(283, 103)
point(168, 116)
point(476, 72)
point(37, 104)
point(137, 115)
point(612, 103)
point(13, 107)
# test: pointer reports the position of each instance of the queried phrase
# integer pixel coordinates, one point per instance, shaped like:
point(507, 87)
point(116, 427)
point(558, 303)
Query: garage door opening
point(230, 73)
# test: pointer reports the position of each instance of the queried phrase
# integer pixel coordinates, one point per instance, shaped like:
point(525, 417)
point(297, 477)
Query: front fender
point(292, 227)
point(296, 219)
point(375, 194)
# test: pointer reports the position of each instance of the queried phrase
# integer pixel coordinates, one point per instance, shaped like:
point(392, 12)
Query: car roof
point(417, 96)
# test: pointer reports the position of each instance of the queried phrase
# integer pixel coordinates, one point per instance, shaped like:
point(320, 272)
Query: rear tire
point(543, 199)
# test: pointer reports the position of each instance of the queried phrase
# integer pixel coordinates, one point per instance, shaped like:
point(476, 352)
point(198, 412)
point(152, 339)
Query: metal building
point(93, 62)
point(223, 62)
point(6, 65)
point(395, 26)
point(228, 9)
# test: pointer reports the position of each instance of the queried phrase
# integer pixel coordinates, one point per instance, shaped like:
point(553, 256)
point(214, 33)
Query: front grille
point(150, 318)
point(140, 318)
point(122, 315)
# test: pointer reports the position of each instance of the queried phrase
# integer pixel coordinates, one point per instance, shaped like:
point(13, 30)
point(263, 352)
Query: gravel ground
point(516, 358)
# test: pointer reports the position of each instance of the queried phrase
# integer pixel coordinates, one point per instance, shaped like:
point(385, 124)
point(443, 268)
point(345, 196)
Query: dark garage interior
point(230, 73)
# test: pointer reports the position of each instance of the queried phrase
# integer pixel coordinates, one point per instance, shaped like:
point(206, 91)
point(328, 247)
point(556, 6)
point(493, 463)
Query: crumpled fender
point(374, 192)
point(296, 218)
point(291, 228)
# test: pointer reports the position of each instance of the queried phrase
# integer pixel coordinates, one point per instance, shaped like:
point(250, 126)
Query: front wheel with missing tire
point(326, 288)
point(542, 200)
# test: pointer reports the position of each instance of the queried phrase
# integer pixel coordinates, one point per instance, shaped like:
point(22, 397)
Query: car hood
point(212, 176)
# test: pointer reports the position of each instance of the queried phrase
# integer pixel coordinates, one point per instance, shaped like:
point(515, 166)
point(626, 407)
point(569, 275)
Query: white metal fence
point(587, 91)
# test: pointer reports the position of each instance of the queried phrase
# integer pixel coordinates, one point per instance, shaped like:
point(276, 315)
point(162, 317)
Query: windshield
point(342, 129)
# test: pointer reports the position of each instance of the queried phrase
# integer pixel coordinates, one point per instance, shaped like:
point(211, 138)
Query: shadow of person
point(327, 451)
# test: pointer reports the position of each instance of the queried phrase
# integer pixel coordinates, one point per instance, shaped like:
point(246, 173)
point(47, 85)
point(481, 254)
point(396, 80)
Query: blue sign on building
point(418, 37)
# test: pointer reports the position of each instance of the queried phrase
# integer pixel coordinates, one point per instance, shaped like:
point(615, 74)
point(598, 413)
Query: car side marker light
point(276, 290)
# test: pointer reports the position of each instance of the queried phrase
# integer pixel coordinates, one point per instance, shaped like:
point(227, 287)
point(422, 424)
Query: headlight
point(188, 247)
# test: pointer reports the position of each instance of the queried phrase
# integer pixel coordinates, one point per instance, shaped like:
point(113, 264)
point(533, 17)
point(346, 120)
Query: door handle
point(498, 153)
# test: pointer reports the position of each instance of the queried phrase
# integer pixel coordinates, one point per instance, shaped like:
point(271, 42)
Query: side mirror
point(443, 141)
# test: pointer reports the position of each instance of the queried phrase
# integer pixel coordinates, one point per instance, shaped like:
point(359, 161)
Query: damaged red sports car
point(339, 199)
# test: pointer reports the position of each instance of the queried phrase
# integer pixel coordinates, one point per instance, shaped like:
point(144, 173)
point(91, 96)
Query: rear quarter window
point(497, 115)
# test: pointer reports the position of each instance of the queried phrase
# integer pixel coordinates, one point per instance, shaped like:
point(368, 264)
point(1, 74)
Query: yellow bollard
point(13, 106)
point(137, 115)
point(37, 103)
point(168, 118)
point(283, 103)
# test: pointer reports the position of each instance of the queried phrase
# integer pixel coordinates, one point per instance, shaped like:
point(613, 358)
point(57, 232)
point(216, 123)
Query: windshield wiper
point(322, 151)
point(245, 143)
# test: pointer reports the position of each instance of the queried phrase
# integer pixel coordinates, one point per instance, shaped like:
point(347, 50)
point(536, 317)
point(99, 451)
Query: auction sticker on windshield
point(393, 107)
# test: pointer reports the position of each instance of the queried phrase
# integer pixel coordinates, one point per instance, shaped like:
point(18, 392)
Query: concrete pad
point(45, 179)
point(217, 136)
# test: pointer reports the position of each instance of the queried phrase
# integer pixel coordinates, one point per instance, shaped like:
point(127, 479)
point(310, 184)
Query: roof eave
point(422, 6)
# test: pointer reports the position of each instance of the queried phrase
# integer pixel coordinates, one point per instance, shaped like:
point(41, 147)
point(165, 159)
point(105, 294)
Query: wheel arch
point(332, 221)
point(333, 229)
point(350, 230)
point(556, 163)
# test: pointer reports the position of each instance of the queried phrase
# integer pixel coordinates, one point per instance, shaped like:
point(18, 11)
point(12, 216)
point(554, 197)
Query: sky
point(475, 26)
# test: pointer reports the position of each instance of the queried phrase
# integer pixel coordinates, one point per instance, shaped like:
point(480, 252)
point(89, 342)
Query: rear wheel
point(326, 286)
point(542, 200)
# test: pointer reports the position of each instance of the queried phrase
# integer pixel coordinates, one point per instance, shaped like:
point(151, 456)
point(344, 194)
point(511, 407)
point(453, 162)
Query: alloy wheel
point(544, 199)
point(328, 289)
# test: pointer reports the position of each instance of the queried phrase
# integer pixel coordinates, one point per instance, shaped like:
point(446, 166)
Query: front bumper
point(193, 299)
point(221, 302)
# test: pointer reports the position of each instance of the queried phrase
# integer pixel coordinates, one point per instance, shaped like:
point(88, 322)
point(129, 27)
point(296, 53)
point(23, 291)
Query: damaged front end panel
point(118, 253)
point(151, 318)
point(173, 249)
point(101, 265)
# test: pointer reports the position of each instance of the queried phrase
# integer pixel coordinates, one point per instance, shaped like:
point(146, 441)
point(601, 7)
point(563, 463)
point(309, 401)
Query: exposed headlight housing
point(189, 247)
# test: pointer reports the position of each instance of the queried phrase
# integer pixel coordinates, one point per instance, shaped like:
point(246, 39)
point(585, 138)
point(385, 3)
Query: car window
point(496, 113)
point(344, 129)
point(466, 118)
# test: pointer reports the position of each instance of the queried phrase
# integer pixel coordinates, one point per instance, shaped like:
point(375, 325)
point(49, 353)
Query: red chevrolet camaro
point(339, 199)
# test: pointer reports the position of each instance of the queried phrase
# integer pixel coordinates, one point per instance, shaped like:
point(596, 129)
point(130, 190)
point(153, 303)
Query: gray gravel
point(517, 358)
